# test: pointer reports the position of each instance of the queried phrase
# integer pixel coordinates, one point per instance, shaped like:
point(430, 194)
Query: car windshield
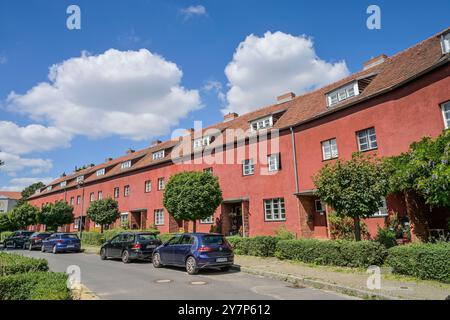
point(146, 237)
point(69, 236)
point(35, 234)
point(41, 235)
point(213, 240)
point(27, 233)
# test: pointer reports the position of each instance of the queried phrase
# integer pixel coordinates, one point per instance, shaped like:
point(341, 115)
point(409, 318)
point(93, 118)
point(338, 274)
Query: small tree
point(104, 212)
point(56, 215)
point(29, 191)
point(24, 215)
point(353, 188)
point(192, 196)
point(5, 223)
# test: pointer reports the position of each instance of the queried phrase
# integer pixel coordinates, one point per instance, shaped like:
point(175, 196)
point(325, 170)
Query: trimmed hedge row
point(95, 238)
point(260, 246)
point(338, 253)
point(4, 235)
point(15, 263)
point(34, 286)
point(424, 261)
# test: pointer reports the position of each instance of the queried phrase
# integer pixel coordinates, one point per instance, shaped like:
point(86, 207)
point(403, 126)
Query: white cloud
point(133, 94)
point(18, 184)
point(20, 140)
point(191, 11)
point(266, 67)
point(216, 87)
point(15, 163)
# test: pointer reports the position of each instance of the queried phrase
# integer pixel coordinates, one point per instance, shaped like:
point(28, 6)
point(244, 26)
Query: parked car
point(61, 242)
point(195, 251)
point(130, 246)
point(17, 239)
point(35, 240)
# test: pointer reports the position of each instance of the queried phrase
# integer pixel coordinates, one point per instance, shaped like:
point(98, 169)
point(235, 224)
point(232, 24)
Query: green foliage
point(387, 237)
point(284, 234)
point(5, 223)
point(261, 246)
point(34, 286)
point(4, 235)
point(166, 236)
point(103, 212)
point(424, 261)
point(353, 188)
point(94, 238)
point(192, 195)
point(24, 215)
point(332, 252)
point(15, 263)
point(342, 228)
point(29, 191)
point(56, 215)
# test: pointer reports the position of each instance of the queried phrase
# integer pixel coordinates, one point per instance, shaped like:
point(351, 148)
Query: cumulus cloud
point(266, 67)
point(15, 163)
point(192, 11)
point(215, 87)
point(21, 140)
point(133, 94)
point(18, 184)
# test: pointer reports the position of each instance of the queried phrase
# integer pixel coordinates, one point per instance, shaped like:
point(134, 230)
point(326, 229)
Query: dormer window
point(80, 179)
point(49, 188)
point(100, 172)
point(63, 184)
point(126, 164)
point(445, 43)
point(202, 142)
point(262, 123)
point(158, 155)
point(342, 93)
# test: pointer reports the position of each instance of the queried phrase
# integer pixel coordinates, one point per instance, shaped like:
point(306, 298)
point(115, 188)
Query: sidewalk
point(344, 280)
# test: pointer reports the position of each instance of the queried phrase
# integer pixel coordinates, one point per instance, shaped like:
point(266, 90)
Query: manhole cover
point(198, 283)
point(296, 286)
point(404, 288)
point(163, 281)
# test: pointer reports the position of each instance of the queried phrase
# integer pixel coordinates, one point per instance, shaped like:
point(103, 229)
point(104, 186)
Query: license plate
point(70, 246)
point(151, 246)
point(221, 260)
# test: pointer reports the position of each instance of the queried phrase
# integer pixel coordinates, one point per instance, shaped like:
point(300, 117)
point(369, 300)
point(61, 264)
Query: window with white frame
point(80, 179)
point(100, 172)
point(78, 199)
point(383, 210)
point(274, 209)
point(49, 188)
point(320, 207)
point(208, 220)
point(126, 191)
point(158, 155)
point(343, 93)
point(63, 184)
point(202, 142)
point(161, 184)
point(262, 123)
point(329, 149)
point(72, 201)
point(445, 43)
point(148, 186)
point(367, 139)
point(116, 192)
point(126, 164)
point(124, 219)
point(208, 170)
point(273, 162)
point(100, 195)
point(159, 217)
point(248, 168)
point(92, 197)
point(76, 223)
point(446, 113)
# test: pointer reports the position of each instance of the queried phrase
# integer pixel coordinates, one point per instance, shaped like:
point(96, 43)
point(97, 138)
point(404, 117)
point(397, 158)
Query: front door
point(236, 220)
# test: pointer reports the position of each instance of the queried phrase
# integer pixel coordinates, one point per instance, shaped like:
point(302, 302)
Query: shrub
point(5, 235)
point(424, 261)
point(166, 236)
point(234, 240)
point(386, 237)
point(342, 228)
point(331, 252)
point(14, 263)
point(284, 234)
point(261, 246)
point(92, 238)
point(34, 286)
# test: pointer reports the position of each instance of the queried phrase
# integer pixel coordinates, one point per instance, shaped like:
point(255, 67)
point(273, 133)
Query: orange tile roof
point(11, 194)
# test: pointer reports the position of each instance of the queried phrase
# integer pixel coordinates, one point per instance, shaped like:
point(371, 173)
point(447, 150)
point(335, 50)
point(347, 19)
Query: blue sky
point(180, 77)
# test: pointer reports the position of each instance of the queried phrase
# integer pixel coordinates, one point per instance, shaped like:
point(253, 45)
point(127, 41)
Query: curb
point(84, 293)
point(316, 284)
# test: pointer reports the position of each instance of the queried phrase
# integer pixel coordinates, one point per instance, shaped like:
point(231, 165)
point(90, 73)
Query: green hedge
point(424, 261)
point(34, 286)
point(15, 263)
point(4, 235)
point(330, 252)
point(95, 238)
point(166, 236)
point(260, 246)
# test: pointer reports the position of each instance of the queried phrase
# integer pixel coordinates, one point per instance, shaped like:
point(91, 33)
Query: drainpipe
point(294, 154)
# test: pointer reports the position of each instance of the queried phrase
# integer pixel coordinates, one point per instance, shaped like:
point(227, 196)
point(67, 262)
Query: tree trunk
point(194, 226)
point(357, 229)
point(101, 228)
point(417, 213)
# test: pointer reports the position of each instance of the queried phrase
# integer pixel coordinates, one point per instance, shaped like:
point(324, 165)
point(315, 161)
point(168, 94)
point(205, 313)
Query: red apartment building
point(380, 110)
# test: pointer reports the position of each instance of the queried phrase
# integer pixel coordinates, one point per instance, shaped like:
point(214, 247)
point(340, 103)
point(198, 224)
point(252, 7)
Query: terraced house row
point(380, 110)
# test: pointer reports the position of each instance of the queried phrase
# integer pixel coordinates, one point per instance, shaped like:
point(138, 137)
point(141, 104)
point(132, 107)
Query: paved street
point(112, 279)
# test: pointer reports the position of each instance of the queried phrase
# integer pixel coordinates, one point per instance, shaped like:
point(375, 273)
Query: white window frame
point(92, 197)
point(445, 107)
point(271, 206)
point(262, 123)
point(368, 134)
point(209, 220)
point(248, 167)
point(80, 179)
point(382, 211)
point(319, 206)
point(342, 93)
point(329, 149)
point(161, 184)
point(100, 172)
point(49, 188)
point(126, 191)
point(273, 162)
point(76, 223)
point(445, 43)
point(116, 192)
point(158, 155)
point(78, 199)
point(72, 201)
point(63, 184)
point(201, 142)
point(124, 219)
point(159, 217)
point(148, 186)
point(100, 195)
point(126, 164)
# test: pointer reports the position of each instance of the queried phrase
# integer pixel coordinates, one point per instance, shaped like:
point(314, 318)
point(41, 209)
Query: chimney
point(374, 61)
point(155, 143)
point(189, 131)
point(130, 151)
point(108, 159)
point(230, 116)
point(286, 97)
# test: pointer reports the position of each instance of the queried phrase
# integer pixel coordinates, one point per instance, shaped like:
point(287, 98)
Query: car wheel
point(225, 269)
point(54, 250)
point(157, 261)
point(125, 257)
point(103, 254)
point(191, 266)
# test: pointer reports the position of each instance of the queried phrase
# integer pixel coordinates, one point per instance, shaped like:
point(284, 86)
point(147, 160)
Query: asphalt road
point(112, 279)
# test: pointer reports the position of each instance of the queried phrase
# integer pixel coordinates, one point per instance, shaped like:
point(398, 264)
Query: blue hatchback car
point(195, 251)
point(61, 242)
